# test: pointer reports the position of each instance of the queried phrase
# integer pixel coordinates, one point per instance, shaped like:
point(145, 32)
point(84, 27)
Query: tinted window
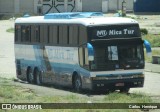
point(25, 33)
point(37, 34)
point(44, 34)
point(73, 34)
point(82, 35)
point(17, 33)
point(53, 34)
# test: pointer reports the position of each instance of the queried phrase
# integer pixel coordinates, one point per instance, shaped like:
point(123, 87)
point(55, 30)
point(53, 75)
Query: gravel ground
point(7, 65)
point(150, 22)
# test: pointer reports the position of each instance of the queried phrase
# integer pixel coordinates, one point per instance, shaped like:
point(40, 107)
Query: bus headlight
point(137, 76)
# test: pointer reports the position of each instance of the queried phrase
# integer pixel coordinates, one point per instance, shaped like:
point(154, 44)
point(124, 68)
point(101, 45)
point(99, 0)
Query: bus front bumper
point(117, 84)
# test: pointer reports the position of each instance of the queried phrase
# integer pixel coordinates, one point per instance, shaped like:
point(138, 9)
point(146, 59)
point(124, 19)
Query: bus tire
point(30, 77)
point(124, 90)
point(111, 90)
point(77, 83)
point(38, 77)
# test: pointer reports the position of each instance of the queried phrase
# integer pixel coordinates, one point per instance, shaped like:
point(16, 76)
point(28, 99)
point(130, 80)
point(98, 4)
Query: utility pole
point(124, 8)
point(39, 7)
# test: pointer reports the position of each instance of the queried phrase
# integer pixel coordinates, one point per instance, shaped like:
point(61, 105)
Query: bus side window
point(17, 33)
point(50, 34)
point(37, 34)
point(82, 35)
point(73, 34)
point(45, 34)
point(70, 34)
point(32, 33)
point(41, 33)
point(26, 33)
point(60, 34)
point(35, 29)
point(65, 34)
point(53, 34)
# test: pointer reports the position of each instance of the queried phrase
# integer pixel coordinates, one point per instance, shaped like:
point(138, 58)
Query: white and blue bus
point(83, 50)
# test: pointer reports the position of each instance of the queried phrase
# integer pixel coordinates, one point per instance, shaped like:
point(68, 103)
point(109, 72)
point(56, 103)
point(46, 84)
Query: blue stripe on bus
point(115, 74)
point(55, 66)
point(69, 68)
point(39, 56)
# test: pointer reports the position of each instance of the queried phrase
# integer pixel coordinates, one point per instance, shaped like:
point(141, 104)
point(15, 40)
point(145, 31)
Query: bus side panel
point(27, 56)
point(63, 61)
point(86, 78)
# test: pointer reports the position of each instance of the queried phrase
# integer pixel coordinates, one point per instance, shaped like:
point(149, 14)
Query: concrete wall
point(31, 6)
point(6, 6)
point(105, 5)
point(18, 6)
point(94, 5)
point(63, 6)
point(115, 5)
point(26, 6)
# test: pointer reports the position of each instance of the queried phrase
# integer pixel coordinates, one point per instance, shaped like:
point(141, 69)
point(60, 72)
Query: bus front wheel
point(77, 83)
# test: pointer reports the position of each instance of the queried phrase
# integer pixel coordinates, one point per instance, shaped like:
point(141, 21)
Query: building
point(46, 6)
point(18, 6)
point(147, 6)
point(85, 5)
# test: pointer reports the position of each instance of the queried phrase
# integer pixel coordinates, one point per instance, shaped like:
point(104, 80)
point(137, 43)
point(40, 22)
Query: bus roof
point(84, 18)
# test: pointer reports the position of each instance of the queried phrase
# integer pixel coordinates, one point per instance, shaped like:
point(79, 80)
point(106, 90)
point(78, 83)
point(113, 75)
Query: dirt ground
point(7, 65)
point(150, 22)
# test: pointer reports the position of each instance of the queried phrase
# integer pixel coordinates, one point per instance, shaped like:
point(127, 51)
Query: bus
point(83, 50)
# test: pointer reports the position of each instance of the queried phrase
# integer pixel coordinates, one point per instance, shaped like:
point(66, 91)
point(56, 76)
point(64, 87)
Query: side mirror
point(90, 52)
point(148, 48)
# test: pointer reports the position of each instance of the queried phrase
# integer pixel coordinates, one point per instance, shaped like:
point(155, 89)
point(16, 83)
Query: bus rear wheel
point(38, 77)
point(30, 77)
point(77, 83)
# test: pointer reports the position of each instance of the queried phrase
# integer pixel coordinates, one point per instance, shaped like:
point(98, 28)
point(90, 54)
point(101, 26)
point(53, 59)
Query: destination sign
point(118, 31)
point(103, 33)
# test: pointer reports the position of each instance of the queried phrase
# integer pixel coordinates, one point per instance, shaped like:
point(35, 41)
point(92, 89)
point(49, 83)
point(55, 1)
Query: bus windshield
point(118, 57)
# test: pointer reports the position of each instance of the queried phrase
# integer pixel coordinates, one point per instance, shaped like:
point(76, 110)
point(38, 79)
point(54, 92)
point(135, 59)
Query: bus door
point(86, 57)
point(83, 57)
